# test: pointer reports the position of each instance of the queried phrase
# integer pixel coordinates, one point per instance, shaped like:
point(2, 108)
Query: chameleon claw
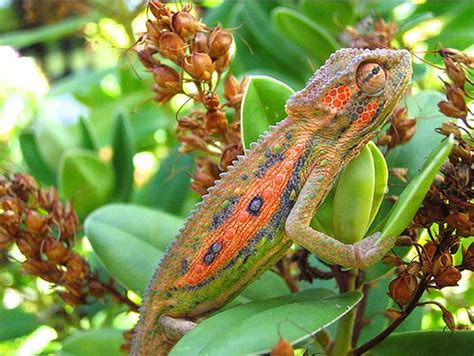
point(176, 327)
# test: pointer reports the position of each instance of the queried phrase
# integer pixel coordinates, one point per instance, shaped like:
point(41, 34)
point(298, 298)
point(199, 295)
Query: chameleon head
point(353, 93)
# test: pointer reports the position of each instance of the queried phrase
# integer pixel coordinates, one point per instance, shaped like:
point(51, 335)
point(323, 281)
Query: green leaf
point(96, 342)
point(52, 140)
point(268, 38)
point(333, 16)
point(25, 38)
point(427, 343)
point(256, 327)
point(37, 166)
point(142, 235)
point(381, 179)
point(306, 33)
point(269, 285)
point(87, 134)
point(123, 150)
point(16, 323)
point(85, 179)
point(263, 105)
point(410, 200)
point(169, 187)
point(353, 199)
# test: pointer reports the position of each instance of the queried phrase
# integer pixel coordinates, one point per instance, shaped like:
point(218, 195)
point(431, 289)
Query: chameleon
point(266, 200)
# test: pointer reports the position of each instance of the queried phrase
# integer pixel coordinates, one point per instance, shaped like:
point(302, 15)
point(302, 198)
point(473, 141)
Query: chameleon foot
point(176, 327)
point(370, 250)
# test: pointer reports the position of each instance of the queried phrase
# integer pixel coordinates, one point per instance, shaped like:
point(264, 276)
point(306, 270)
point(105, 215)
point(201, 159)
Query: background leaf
point(85, 180)
point(34, 160)
point(16, 322)
point(93, 343)
point(263, 105)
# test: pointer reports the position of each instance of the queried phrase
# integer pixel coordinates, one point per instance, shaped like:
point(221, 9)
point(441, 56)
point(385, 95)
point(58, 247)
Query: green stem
point(342, 342)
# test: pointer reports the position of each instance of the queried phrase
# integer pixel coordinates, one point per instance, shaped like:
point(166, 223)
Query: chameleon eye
point(370, 78)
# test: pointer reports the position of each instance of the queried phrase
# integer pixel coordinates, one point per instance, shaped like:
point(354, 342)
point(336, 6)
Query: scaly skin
point(265, 202)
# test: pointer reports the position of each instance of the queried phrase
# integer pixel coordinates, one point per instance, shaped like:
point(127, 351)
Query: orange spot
point(333, 92)
point(288, 166)
point(337, 103)
point(199, 269)
point(365, 116)
point(229, 234)
point(179, 285)
point(267, 194)
point(279, 179)
point(190, 280)
point(299, 147)
point(243, 217)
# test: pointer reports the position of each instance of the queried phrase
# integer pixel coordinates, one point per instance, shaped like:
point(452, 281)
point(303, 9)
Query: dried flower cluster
point(44, 230)
point(456, 65)
point(449, 205)
point(197, 54)
point(401, 130)
point(370, 33)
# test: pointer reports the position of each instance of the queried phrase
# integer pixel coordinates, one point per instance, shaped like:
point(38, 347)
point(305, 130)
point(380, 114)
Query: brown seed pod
point(172, 47)
point(219, 42)
point(282, 348)
point(403, 288)
point(199, 66)
point(184, 25)
point(167, 80)
point(199, 43)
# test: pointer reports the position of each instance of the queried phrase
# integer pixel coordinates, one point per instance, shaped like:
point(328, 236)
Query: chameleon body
point(265, 202)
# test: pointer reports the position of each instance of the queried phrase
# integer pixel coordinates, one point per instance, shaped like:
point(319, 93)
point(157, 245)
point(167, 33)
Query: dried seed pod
point(448, 277)
point(219, 42)
point(215, 121)
point(200, 43)
point(153, 30)
point(449, 109)
point(222, 63)
point(393, 314)
point(171, 46)
point(56, 251)
point(167, 80)
point(184, 25)
point(455, 72)
point(231, 87)
point(403, 288)
point(34, 222)
point(199, 66)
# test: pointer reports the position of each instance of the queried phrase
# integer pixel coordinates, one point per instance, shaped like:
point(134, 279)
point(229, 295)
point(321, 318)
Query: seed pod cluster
point(370, 33)
point(449, 206)
point(457, 90)
point(177, 48)
point(44, 230)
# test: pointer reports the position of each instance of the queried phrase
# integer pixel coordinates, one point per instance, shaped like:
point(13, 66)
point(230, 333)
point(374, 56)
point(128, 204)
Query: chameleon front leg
point(358, 255)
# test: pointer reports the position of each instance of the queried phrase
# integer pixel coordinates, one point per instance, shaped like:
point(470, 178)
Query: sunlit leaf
point(34, 160)
point(89, 141)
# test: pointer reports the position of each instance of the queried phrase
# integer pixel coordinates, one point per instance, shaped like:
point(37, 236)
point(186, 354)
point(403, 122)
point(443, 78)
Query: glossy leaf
point(96, 342)
point(123, 150)
point(256, 327)
point(16, 323)
point(306, 33)
point(168, 188)
point(34, 160)
point(353, 199)
point(131, 236)
point(88, 141)
point(410, 200)
point(263, 105)
point(85, 180)
point(427, 343)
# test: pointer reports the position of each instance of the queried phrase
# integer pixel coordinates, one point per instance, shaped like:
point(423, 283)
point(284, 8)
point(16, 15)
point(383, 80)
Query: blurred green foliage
point(76, 112)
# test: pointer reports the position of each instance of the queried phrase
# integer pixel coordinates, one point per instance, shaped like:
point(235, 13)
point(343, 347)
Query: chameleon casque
point(266, 200)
